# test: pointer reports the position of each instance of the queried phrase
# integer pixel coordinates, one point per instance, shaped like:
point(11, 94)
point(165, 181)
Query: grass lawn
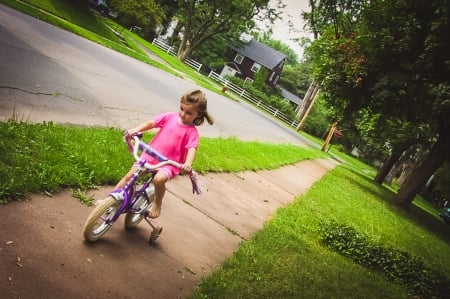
point(289, 258)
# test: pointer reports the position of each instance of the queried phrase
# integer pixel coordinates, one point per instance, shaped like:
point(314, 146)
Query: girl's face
point(187, 113)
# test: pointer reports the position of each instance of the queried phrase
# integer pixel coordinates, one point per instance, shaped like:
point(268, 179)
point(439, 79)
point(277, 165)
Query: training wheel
point(155, 234)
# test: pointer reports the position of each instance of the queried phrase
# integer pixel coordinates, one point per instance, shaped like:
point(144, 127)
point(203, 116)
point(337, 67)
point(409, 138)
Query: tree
point(146, 14)
point(202, 20)
point(341, 15)
point(296, 78)
point(393, 61)
point(169, 8)
point(418, 43)
point(267, 39)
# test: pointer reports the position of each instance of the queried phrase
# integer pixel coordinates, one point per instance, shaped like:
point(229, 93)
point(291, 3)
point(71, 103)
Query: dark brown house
point(251, 58)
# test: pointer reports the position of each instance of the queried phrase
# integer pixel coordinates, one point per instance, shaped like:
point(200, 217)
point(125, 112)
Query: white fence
point(246, 95)
point(233, 87)
point(172, 51)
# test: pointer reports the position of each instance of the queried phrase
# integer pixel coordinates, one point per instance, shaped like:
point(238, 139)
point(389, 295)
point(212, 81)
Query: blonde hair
point(198, 99)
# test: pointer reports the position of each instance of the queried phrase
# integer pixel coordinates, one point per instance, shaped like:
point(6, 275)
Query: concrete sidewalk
point(232, 209)
point(43, 254)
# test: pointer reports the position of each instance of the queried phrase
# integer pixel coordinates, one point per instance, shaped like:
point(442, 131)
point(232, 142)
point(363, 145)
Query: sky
point(292, 12)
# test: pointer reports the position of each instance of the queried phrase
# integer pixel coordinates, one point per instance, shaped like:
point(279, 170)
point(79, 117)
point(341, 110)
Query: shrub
point(397, 265)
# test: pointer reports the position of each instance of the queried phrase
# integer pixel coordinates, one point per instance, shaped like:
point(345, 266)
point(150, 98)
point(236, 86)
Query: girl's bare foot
point(99, 201)
point(154, 211)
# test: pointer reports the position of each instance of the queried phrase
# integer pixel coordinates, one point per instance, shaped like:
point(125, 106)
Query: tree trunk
point(407, 168)
point(392, 161)
point(386, 167)
point(393, 172)
point(174, 37)
point(309, 96)
point(181, 51)
point(399, 166)
point(420, 175)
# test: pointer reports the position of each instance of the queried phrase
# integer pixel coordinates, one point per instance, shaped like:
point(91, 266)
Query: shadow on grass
point(416, 214)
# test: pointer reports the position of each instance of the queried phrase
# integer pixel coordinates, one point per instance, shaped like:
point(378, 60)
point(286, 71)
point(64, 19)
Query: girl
point(177, 139)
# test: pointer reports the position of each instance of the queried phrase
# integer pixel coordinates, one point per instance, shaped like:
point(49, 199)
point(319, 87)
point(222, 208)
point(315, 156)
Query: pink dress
point(172, 140)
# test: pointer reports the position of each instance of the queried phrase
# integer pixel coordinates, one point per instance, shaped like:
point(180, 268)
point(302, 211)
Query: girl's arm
point(190, 157)
point(148, 125)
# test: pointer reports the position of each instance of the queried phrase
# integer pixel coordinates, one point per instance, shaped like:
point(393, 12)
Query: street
point(48, 74)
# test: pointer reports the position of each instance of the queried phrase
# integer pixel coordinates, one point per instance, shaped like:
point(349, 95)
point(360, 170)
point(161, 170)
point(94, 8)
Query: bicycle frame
point(127, 193)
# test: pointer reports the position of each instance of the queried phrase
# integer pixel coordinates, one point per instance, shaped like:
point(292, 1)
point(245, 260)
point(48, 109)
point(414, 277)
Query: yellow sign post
point(330, 135)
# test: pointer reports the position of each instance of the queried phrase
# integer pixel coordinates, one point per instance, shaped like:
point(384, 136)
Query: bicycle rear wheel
point(140, 206)
point(97, 224)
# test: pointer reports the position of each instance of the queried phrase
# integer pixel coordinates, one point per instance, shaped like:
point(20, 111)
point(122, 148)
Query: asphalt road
point(48, 74)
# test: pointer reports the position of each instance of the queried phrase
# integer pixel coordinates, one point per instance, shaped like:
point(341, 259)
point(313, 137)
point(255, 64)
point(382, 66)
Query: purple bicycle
point(133, 199)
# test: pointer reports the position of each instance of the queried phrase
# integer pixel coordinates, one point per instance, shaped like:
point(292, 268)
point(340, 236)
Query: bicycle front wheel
point(98, 222)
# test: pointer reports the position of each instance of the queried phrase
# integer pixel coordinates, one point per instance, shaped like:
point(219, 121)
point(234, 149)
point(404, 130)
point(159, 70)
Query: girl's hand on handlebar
point(129, 134)
point(186, 168)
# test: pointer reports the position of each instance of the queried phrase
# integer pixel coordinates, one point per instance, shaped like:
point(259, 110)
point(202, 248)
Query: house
point(294, 100)
point(250, 58)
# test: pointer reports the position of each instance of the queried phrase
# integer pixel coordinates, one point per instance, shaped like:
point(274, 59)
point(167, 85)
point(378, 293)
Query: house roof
point(260, 53)
point(291, 97)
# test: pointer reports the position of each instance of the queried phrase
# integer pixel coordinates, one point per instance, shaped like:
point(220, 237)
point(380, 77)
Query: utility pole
point(307, 104)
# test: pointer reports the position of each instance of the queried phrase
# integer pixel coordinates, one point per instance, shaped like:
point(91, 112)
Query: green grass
point(286, 259)
point(69, 15)
point(48, 157)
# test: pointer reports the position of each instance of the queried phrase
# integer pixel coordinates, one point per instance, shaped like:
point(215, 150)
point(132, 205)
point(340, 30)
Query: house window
point(276, 80)
point(271, 76)
point(238, 59)
point(256, 67)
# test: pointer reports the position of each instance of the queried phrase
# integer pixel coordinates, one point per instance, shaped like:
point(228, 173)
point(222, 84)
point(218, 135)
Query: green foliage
point(212, 53)
point(438, 191)
point(266, 96)
point(260, 78)
point(296, 78)
point(397, 265)
point(81, 195)
point(386, 62)
point(318, 121)
point(203, 20)
point(146, 14)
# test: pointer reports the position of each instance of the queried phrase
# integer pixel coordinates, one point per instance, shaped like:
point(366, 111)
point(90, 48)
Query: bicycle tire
point(95, 226)
point(132, 219)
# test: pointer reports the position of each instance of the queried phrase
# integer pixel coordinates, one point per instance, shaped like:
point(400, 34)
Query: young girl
point(177, 139)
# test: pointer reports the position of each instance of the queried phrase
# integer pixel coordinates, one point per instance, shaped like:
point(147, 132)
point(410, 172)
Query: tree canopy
point(146, 14)
point(199, 21)
point(390, 59)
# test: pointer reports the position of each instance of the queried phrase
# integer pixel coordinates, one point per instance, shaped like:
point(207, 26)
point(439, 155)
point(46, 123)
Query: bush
point(397, 265)
point(270, 100)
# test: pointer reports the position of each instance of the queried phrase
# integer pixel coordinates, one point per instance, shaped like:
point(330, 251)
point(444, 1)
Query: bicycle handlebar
point(144, 147)
point(160, 157)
